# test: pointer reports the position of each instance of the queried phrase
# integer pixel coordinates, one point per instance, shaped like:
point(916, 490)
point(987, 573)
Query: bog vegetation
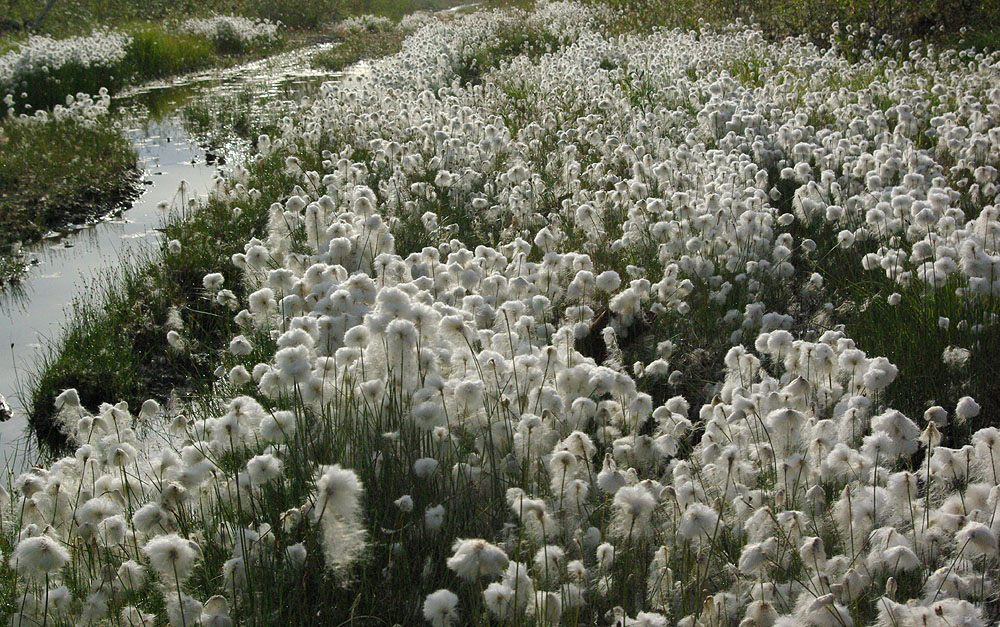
point(540, 322)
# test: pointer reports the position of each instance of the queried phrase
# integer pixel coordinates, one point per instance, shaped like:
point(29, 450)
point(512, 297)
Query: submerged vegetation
point(536, 322)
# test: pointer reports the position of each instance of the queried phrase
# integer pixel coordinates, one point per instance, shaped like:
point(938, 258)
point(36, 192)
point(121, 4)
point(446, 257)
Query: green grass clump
point(156, 53)
point(60, 172)
point(356, 45)
point(71, 17)
point(913, 329)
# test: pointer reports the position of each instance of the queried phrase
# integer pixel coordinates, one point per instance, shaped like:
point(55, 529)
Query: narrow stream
point(32, 314)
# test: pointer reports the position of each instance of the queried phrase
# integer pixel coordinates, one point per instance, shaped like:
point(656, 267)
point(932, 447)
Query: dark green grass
point(74, 17)
point(157, 53)
point(60, 172)
point(394, 9)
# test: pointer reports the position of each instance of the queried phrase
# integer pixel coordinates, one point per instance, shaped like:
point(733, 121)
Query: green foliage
point(356, 45)
point(910, 334)
point(44, 186)
point(394, 9)
point(72, 17)
point(905, 19)
point(43, 90)
point(296, 14)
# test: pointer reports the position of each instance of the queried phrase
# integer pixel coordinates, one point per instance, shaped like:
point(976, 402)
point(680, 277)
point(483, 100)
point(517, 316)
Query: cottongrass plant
point(453, 383)
point(41, 55)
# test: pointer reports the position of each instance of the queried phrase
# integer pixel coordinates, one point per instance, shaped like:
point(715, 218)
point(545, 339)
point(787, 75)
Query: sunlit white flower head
point(476, 559)
point(434, 517)
point(39, 555)
point(633, 511)
point(215, 612)
point(264, 469)
point(976, 539)
point(172, 556)
point(337, 491)
point(441, 608)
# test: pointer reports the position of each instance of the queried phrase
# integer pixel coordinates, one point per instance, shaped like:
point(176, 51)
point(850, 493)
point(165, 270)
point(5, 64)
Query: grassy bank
point(137, 45)
point(109, 336)
point(57, 173)
point(114, 345)
point(74, 17)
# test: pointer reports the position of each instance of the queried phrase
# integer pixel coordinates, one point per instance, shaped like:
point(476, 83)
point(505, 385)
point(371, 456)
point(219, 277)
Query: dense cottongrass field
point(551, 327)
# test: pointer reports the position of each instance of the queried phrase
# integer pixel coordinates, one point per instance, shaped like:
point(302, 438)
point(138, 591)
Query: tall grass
point(70, 17)
point(61, 171)
point(156, 52)
point(354, 45)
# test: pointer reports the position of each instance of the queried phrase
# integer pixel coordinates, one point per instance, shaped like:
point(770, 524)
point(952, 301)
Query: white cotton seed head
point(966, 408)
point(605, 555)
point(441, 608)
point(338, 491)
point(296, 555)
point(172, 556)
point(39, 555)
point(633, 510)
point(608, 281)
point(68, 398)
point(213, 282)
point(184, 610)
point(264, 469)
point(500, 600)
point(476, 559)
point(425, 467)
point(976, 539)
point(434, 517)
